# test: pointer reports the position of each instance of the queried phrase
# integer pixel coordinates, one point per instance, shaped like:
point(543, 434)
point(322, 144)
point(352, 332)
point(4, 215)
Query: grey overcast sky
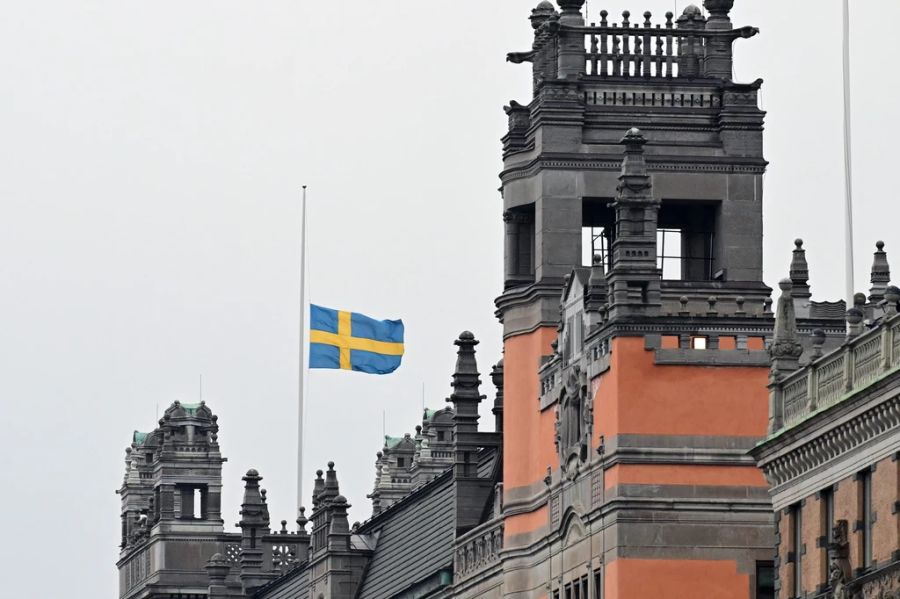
point(152, 155)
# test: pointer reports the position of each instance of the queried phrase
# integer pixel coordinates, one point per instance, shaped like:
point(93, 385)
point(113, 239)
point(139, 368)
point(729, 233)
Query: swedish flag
point(351, 341)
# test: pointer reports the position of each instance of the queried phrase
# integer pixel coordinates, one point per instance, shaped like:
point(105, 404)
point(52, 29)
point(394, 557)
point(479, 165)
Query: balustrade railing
point(478, 550)
point(640, 50)
point(832, 378)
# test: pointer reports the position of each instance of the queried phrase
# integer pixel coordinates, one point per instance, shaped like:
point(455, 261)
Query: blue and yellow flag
point(351, 341)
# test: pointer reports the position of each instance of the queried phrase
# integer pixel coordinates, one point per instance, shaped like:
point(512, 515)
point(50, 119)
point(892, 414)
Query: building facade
point(833, 452)
point(637, 337)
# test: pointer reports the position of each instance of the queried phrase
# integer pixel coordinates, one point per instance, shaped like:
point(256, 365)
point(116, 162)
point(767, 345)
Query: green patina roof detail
point(190, 408)
point(139, 437)
point(392, 442)
point(429, 413)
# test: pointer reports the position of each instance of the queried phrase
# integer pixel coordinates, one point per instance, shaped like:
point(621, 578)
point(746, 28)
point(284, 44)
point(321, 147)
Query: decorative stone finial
point(800, 272)
point(465, 382)
point(881, 274)
point(331, 488)
point(891, 298)
point(712, 301)
point(217, 569)
point(683, 300)
point(302, 520)
point(785, 350)
point(739, 300)
point(855, 318)
point(718, 13)
point(818, 341)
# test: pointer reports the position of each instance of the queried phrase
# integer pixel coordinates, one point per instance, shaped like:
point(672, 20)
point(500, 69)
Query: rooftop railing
point(691, 46)
point(834, 377)
point(637, 50)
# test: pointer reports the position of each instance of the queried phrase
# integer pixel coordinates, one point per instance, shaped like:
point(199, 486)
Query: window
point(440, 435)
point(584, 587)
point(826, 498)
point(865, 516)
point(668, 260)
point(568, 591)
point(401, 462)
point(765, 580)
point(598, 584)
point(797, 549)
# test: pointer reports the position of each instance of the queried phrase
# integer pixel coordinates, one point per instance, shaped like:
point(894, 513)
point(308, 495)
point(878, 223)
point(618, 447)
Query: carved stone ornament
point(574, 420)
point(785, 349)
point(839, 561)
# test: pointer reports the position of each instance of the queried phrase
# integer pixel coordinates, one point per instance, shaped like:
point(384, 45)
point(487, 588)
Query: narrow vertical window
point(865, 479)
point(598, 584)
point(797, 549)
point(827, 501)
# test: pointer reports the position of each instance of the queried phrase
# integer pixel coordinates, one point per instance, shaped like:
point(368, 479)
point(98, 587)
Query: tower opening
point(685, 241)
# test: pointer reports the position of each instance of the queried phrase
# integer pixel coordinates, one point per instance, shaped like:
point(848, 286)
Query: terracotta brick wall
point(814, 559)
point(886, 534)
point(846, 507)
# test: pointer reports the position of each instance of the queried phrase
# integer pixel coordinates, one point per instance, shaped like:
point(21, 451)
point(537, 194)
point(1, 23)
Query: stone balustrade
point(478, 550)
point(830, 379)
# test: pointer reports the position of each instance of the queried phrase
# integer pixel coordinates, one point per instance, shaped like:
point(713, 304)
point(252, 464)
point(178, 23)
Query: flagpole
point(302, 365)
point(848, 162)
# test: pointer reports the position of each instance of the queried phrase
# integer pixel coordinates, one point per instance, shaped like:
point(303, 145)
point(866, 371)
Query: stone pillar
point(718, 56)
point(572, 54)
point(217, 567)
point(690, 45)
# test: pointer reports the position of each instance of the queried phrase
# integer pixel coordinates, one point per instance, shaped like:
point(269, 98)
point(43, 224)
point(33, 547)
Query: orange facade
point(635, 396)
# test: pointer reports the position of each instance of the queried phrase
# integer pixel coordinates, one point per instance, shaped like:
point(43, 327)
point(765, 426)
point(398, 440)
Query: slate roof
point(415, 540)
point(292, 585)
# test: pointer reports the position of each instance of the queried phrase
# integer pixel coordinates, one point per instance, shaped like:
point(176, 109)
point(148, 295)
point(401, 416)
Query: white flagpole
point(302, 369)
point(848, 163)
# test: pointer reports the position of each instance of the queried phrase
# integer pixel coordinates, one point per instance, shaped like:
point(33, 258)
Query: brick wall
point(885, 489)
point(811, 522)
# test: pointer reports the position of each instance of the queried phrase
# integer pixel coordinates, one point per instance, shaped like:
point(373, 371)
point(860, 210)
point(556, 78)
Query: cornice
point(786, 459)
point(614, 163)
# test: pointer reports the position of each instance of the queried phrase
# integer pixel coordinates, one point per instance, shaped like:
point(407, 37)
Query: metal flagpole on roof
point(848, 162)
point(302, 368)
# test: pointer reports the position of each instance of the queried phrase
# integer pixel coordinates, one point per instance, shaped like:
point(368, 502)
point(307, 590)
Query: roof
point(290, 586)
point(415, 540)
point(191, 408)
point(139, 437)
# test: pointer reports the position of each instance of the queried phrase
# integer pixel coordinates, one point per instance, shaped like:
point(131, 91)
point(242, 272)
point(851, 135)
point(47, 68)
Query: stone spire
point(497, 410)
point(331, 488)
point(254, 526)
point(799, 272)
point(318, 487)
point(881, 274)
point(466, 395)
point(634, 278)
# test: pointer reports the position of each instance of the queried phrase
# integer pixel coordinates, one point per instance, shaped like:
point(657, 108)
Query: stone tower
point(632, 185)
point(171, 504)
